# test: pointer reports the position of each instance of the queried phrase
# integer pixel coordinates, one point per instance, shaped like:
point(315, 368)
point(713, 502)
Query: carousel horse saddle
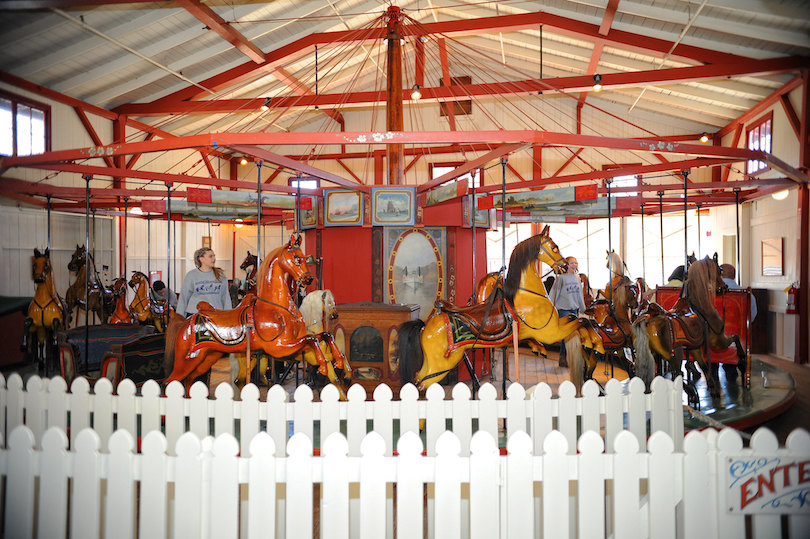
point(493, 325)
point(225, 325)
point(687, 326)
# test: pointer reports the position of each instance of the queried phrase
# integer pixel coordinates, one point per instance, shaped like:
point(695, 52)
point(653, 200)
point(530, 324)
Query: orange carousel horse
point(121, 314)
point(146, 309)
point(429, 350)
point(269, 321)
point(693, 325)
point(46, 313)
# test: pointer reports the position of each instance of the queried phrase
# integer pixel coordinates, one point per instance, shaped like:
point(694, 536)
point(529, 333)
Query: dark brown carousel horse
point(249, 286)
point(587, 293)
point(46, 313)
point(692, 325)
point(145, 308)
point(429, 350)
point(101, 300)
point(269, 321)
point(613, 314)
point(121, 314)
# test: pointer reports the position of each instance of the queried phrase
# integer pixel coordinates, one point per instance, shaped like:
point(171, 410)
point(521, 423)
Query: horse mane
point(699, 290)
point(525, 253)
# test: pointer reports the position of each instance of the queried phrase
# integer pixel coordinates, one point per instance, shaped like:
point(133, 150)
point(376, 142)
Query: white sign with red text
point(760, 485)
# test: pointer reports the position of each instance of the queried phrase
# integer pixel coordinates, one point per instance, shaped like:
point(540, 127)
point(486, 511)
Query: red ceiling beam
point(471, 165)
point(763, 105)
point(504, 23)
point(793, 118)
point(286, 162)
point(216, 23)
point(571, 84)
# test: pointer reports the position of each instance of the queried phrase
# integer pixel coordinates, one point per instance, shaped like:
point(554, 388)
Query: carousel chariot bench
point(102, 339)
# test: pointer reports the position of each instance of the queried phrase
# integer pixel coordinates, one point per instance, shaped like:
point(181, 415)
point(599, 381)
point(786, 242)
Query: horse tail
point(576, 360)
point(410, 350)
point(176, 322)
point(645, 363)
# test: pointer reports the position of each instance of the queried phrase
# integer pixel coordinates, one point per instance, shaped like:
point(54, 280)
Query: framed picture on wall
point(342, 207)
point(206, 242)
point(393, 206)
point(414, 267)
point(773, 256)
point(308, 218)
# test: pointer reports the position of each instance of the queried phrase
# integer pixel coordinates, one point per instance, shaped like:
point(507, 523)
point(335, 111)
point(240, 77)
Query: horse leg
point(341, 362)
point(27, 323)
point(711, 382)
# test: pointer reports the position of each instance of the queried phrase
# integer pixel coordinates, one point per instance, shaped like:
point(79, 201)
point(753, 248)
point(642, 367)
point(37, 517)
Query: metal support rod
point(149, 249)
point(587, 247)
point(698, 228)
point(258, 214)
point(126, 215)
point(209, 232)
point(297, 203)
point(49, 222)
point(643, 259)
point(473, 212)
point(737, 222)
point(169, 241)
point(503, 214)
point(661, 219)
point(609, 181)
point(685, 174)
point(86, 273)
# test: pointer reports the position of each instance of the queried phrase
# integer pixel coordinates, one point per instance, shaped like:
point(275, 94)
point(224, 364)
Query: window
point(758, 137)
point(622, 181)
point(473, 177)
point(462, 107)
point(24, 126)
point(305, 183)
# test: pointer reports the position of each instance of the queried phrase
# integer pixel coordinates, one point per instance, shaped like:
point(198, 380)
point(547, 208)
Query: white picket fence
point(208, 491)
point(44, 403)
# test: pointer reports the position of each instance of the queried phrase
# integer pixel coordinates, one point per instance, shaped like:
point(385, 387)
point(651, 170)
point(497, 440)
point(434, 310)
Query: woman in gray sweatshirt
point(206, 283)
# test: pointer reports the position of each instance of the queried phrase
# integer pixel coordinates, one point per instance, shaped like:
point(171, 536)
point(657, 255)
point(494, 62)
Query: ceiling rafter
point(210, 18)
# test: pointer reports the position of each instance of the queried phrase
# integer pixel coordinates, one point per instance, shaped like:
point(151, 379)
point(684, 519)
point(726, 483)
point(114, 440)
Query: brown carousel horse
point(46, 313)
point(436, 346)
point(693, 325)
point(145, 308)
point(121, 314)
point(100, 300)
point(613, 316)
point(249, 286)
point(269, 320)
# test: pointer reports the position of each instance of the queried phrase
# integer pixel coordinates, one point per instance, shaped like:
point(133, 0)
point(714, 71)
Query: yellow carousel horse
point(144, 308)
point(429, 350)
point(46, 313)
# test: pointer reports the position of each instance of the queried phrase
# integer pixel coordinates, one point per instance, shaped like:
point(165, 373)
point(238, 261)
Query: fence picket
point(488, 410)
point(303, 418)
point(764, 441)
point(372, 487)
point(175, 414)
point(697, 505)
point(262, 487)
point(659, 406)
point(53, 485)
point(85, 517)
point(335, 489)
point(541, 423)
point(555, 504)
point(435, 421)
point(355, 418)
point(126, 414)
point(79, 406)
point(198, 418)
point(590, 408)
point(276, 407)
point(567, 414)
point(20, 464)
point(484, 486)
point(462, 416)
point(330, 411)
point(591, 486)
point(730, 525)
point(103, 411)
point(188, 489)
point(614, 412)
point(410, 512)
point(637, 410)
point(57, 404)
point(15, 407)
point(249, 420)
point(224, 412)
point(299, 488)
point(383, 413)
point(34, 408)
point(3, 406)
point(408, 409)
point(447, 522)
point(151, 416)
point(626, 487)
point(665, 471)
point(224, 516)
point(153, 516)
point(120, 495)
point(798, 444)
point(519, 512)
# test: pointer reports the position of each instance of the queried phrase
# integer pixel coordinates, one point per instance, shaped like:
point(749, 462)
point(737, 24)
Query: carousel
point(372, 284)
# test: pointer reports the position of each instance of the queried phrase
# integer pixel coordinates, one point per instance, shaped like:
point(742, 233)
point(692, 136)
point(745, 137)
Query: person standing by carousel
point(205, 283)
point(566, 295)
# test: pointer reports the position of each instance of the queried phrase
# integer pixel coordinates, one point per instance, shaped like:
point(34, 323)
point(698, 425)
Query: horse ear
point(249, 253)
point(298, 240)
point(47, 252)
point(715, 256)
point(544, 232)
point(37, 254)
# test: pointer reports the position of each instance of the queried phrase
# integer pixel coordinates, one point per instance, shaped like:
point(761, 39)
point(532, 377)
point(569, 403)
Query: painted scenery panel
point(393, 206)
point(342, 207)
point(415, 271)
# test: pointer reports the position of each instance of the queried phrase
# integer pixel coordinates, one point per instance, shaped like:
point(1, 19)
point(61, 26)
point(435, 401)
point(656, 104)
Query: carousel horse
point(145, 308)
point(100, 301)
point(268, 321)
point(249, 284)
point(613, 314)
point(121, 314)
point(46, 313)
point(429, 350)
point(693, 325)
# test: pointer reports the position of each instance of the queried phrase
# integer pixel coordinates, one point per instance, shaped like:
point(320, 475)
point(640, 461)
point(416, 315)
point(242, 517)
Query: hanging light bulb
point(243, 161)
point(266, 105)
point(416, 94)
point(238, 223)
point(597, 83)
point(704, 138)
point(781, 195)
point(136, 211)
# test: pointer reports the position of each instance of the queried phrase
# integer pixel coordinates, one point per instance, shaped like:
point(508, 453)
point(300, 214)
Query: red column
point(803, 215)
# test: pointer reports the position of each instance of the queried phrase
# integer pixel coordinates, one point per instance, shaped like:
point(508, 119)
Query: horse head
point(549, 252)
point(293, 261)
point(76, 259)
point(41, 266)
point(119, 287)
point(250, 260)
point(137, 279)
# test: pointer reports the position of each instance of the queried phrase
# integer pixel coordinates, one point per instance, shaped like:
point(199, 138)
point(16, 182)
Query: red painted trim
point(790, 112)
point(573, 156)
